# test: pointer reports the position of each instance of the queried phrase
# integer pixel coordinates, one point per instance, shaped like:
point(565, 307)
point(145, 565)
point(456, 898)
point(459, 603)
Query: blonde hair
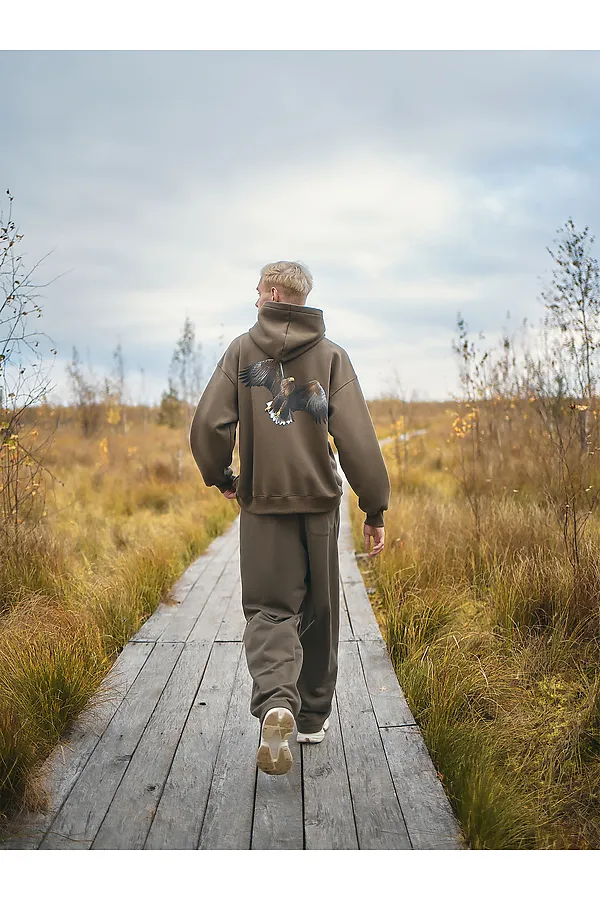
point(293, 279)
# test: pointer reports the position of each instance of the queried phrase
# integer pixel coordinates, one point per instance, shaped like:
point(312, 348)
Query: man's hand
point(230, 492)
point(378, 535)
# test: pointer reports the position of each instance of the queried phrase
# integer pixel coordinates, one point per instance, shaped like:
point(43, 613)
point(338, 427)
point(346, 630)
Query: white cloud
point(361, 207)
point(413, 185)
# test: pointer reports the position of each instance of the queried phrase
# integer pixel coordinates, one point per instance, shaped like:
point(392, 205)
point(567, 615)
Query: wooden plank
point(349, 571)
point(278, 821)
point(389, 703)
point(79, 819)
point(188, 579)
point(362, 618)
point(209, 621)
point(429, 817)
point(234, 622)
point(328, 817)
point(180, 626)
point(427, 812)
point(66, 762)
point(181, 808)
point(228, 820)
point(346, 539)
point(346, 633)
point(154, 627)
point(130, 814)
point(379, 821)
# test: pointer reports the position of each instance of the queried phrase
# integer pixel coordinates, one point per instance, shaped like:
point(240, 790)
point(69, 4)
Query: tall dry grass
point(494, 637)
point(128, 519)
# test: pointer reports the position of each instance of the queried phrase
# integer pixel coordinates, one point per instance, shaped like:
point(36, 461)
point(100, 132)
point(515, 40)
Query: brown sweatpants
point(289, 568)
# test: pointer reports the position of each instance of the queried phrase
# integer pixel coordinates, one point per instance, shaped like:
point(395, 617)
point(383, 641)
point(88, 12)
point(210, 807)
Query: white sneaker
point(274, 755)
point(315, 737)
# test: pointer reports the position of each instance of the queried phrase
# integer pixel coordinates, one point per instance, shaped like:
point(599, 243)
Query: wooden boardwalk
point(169, 761)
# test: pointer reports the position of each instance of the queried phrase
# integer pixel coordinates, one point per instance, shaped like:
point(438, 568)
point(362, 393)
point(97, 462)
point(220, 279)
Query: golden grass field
point(496, 650)
point(493, 635)
point(114, 539)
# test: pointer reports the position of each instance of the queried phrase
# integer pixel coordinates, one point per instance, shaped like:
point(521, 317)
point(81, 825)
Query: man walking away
point(287, 387)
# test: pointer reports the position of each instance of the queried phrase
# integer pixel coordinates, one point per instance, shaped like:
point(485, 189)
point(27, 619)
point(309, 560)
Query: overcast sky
point(414, 184)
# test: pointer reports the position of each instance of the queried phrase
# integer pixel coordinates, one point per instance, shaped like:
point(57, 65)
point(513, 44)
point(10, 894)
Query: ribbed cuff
point(376, 520)
point(228, 485)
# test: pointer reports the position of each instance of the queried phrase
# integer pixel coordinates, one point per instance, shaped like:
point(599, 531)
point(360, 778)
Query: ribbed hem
point(289, 504)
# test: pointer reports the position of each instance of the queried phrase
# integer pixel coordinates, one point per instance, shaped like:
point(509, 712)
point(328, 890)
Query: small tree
point(115, 391)
point(86, 395)
point(466, 430)
point(24, 380)
point(562, 385)
point(400, 413)
point(171, 411)
point(185, 375)
point(573, 309)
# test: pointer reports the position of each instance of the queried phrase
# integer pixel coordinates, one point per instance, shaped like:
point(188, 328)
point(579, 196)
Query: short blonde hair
point(293, 279)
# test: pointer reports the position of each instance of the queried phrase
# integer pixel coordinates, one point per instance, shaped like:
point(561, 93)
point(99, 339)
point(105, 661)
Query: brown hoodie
point(286, 386)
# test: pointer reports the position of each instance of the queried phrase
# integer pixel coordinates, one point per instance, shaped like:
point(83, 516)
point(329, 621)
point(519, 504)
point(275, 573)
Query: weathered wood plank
point(389, 703)
point(328, 817)
point(379, 821)
point(181, 808)
point(180, 626)
point(278, 822)
point(210, 619)
point(183, 585)
point(66, 762)
point(154, 627)
point(80, 817)
point(349, 571)
point(362, 618)
point(429, 817)
point(228, 820)
point(130, 814)
point(346, 539)
point(234, 623)
point(346, 633)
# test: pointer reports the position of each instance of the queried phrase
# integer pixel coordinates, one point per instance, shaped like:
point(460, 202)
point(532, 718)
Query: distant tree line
point(106, 401)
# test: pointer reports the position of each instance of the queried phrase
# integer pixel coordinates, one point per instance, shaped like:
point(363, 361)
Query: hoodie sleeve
point(212, 432)
point(360, 455)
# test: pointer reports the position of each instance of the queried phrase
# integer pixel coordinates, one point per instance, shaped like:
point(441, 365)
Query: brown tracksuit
point(286, 387)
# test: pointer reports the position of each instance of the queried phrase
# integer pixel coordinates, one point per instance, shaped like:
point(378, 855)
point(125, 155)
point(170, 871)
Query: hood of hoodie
point(285, 330)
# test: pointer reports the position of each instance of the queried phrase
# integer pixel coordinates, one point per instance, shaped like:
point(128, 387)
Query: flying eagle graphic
point(288, 397)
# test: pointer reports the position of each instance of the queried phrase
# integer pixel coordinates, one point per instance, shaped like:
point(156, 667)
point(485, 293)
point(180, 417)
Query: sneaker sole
point(316, 737)
point(274, 755)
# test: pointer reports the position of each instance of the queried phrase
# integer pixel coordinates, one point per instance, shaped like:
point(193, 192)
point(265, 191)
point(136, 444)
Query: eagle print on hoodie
point(287, 396)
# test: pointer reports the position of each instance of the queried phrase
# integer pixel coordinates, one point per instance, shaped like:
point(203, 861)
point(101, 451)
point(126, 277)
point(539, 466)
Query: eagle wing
point(265, 373)
point(312, 398)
